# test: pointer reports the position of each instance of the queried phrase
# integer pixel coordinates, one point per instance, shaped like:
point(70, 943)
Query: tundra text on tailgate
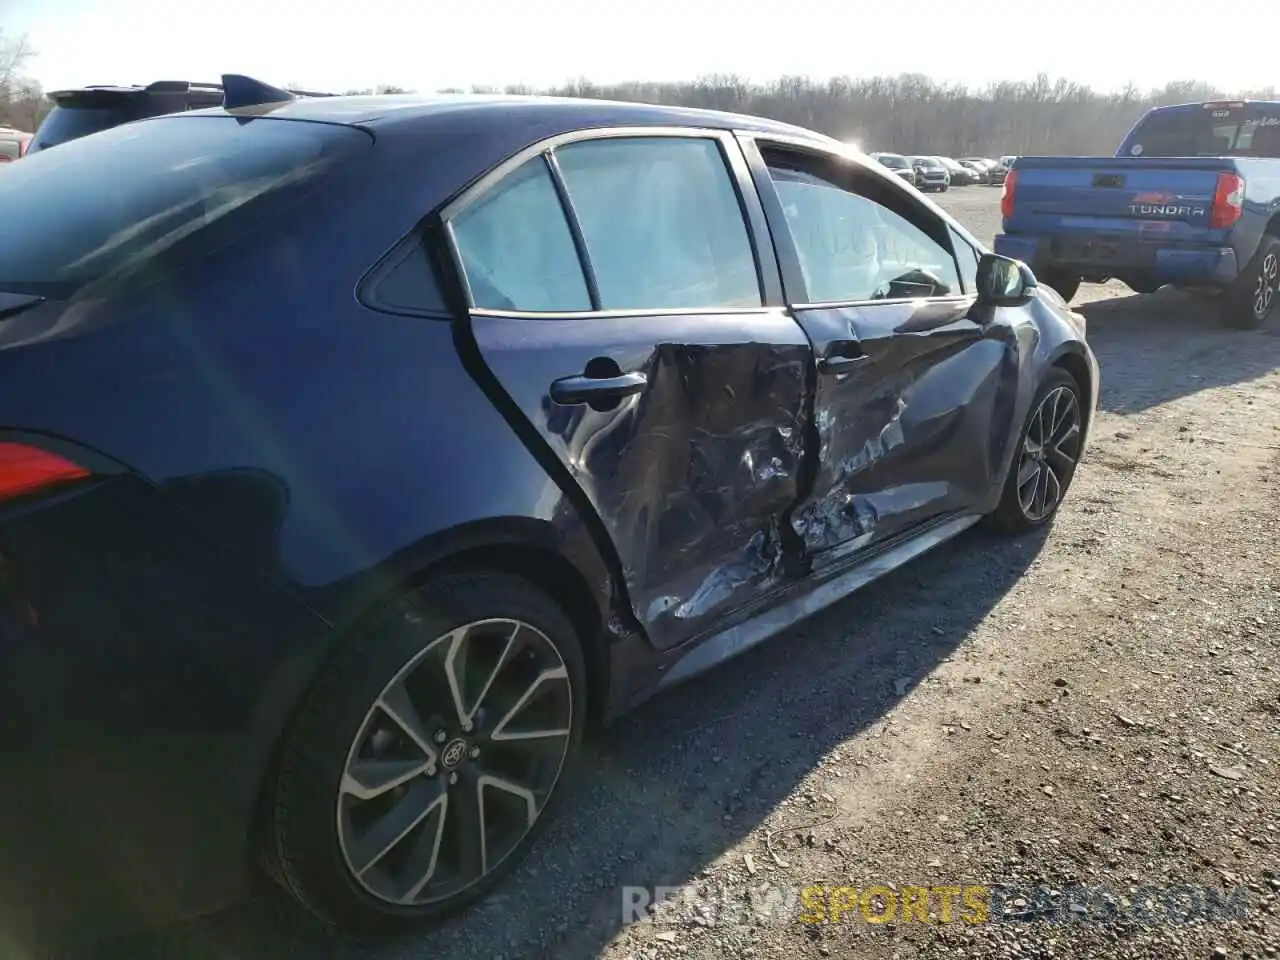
point(1191, 198)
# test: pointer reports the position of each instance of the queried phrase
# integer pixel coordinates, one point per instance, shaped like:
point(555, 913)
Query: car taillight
point(1006, 197)
point(1228, 200)
point(25, 469)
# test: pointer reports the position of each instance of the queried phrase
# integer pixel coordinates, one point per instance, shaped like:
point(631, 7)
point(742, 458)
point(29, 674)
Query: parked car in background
point(961, 176)
point(990, 170)
point(897, 164)
point(86, 110)
point(13, 144)
point(1191, 198)
point(1007, 161)
point(931, 175)
point(979, 170)
point(375, 481)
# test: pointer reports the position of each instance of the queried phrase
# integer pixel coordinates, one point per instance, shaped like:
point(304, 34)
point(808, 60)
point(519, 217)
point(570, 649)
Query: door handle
point(842, 356)
point(582, 389)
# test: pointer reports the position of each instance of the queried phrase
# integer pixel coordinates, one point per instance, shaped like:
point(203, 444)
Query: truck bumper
point(1095, 257)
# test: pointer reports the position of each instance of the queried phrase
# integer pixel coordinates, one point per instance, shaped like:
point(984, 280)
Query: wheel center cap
point(453, 753)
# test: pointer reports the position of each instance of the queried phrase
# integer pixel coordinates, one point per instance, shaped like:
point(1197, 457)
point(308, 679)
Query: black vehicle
point(961, 176)
point(930, 174)
point(896, 164)
point(351, 467)
point(86, 110)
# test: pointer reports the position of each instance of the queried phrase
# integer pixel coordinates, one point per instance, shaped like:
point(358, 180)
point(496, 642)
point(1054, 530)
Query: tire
point(1251, 300)
point(1140, 285)
point(322, 844)
point(1014, 514)
point(1067, 286)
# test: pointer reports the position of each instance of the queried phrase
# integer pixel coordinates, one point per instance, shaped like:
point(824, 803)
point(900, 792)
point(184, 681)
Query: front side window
point(967, 257)
point(853, 247)
point(516, 247)
point(661, 222)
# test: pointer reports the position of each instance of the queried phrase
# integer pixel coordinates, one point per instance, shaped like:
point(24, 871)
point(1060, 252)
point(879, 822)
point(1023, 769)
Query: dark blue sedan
point(358, 453)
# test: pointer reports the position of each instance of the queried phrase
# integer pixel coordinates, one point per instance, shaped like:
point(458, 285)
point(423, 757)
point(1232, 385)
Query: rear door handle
point(842, 356)
point(580, 389)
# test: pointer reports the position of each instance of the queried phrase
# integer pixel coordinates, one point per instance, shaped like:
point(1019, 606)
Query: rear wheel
point(1066, 285)
point(1251, 300)
point(424, 759)
point(1049, 448)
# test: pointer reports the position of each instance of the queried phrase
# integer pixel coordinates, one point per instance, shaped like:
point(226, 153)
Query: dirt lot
point(1097, 708)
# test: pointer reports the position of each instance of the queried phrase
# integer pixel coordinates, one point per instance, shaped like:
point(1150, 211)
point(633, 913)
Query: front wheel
point(1049, 447)
point(1251, 300)
point(426, 756)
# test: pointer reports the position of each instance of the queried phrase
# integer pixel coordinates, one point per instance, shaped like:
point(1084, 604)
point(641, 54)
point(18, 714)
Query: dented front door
point(914, 383)
point(906, 431)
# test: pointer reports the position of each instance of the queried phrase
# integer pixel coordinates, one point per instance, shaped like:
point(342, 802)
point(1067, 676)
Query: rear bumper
point(145, 682)
point(1090, 256)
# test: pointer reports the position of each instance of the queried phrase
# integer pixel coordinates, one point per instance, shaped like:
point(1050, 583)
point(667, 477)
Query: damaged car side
point(585, 399)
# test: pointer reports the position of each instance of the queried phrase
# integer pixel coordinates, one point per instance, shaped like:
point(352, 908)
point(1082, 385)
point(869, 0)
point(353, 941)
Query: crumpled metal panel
point(691, 477)
point(909, 432)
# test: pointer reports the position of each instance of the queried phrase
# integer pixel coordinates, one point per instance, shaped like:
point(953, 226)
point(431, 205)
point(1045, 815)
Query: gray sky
point(427, 45)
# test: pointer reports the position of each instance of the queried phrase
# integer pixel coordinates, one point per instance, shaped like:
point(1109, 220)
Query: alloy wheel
point(1268, 282)
point(454, 762)
point(1049, 453)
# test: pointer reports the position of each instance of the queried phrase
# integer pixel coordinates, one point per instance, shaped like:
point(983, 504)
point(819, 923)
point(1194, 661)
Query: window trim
point(754, 220)
point(753, 145)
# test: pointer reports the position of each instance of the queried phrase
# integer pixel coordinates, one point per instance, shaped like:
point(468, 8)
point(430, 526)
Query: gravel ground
point(1096, 708)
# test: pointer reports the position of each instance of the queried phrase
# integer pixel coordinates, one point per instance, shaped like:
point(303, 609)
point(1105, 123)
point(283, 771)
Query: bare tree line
point(20, 97)
point(909, 113)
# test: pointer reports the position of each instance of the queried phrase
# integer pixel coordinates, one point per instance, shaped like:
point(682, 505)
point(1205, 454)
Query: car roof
point(545, 116)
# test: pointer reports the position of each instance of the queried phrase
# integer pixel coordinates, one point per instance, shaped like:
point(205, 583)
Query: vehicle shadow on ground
point(675, 784)
point(1158, 347)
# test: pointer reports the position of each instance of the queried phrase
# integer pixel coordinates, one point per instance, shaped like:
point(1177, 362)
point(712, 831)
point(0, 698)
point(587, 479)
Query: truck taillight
point(1006, 197)
point(1228, 200)
point(25, 469)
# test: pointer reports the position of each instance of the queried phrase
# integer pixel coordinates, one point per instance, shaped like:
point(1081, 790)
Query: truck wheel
point(1065, 284)
point(1142, 285)
point(1252, 298)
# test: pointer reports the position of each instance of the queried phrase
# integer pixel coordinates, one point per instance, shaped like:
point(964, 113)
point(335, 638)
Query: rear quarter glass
point(177, 184)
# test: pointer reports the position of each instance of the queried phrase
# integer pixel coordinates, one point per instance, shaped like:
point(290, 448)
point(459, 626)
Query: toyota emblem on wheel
point(453, 753)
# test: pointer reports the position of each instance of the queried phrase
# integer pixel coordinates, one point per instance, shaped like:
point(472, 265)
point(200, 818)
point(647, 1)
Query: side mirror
point(1004, 282)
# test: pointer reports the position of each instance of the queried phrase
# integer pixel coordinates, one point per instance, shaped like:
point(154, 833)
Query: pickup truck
point(1191, 198)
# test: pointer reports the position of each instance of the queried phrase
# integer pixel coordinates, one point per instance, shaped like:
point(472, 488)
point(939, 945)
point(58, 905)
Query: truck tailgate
point(1110, 193)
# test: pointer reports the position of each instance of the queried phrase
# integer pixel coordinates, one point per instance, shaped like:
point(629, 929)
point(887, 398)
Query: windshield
point(1209, 130)
point(892, 160)
point(102, 206)
point(928, 163)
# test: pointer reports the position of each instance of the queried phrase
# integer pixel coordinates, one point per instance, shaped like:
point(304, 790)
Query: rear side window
point(516, 248)
point(662, 223)
point(103, 207)
point(9, 149)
